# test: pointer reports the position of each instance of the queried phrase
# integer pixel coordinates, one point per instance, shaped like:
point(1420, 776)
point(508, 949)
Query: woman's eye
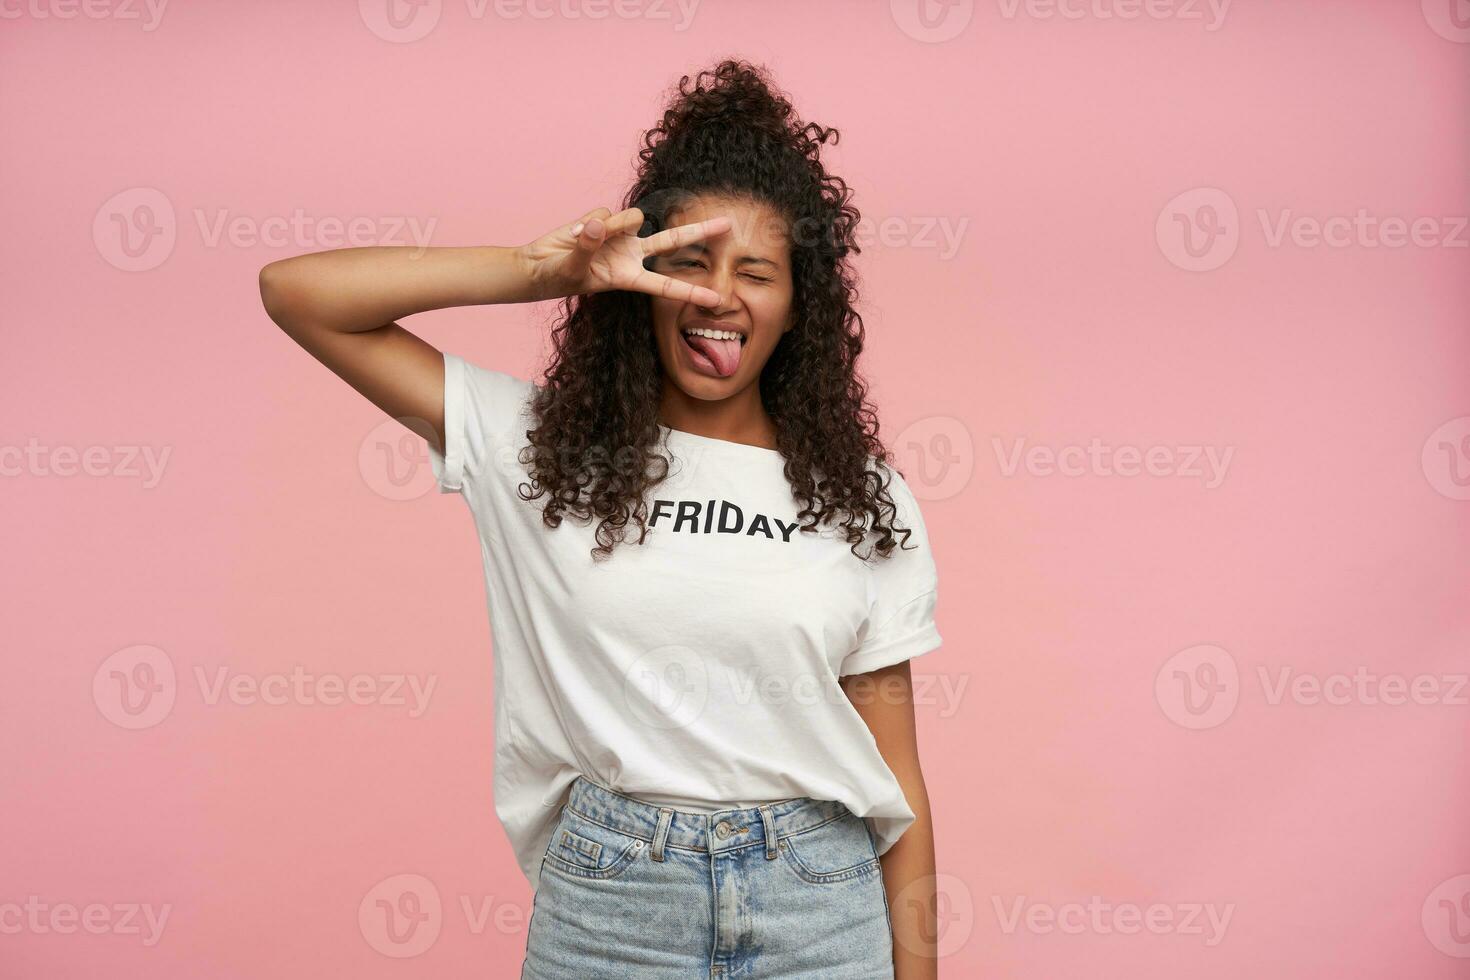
point(696, 264)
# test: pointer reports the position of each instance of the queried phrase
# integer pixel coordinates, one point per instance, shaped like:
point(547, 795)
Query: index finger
point(671, 288)
point(676, 238)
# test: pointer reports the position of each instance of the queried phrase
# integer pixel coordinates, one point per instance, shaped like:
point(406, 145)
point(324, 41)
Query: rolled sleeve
point(911, 632)
point(483, 410)
point(903, 594)
point(448, 465)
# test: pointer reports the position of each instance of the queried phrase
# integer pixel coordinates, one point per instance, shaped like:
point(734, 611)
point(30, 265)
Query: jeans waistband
point(719, 831)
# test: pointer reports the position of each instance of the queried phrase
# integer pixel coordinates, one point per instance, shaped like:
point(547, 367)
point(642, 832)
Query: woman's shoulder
point(491, 379)
point(893, 480)
point(492, 394)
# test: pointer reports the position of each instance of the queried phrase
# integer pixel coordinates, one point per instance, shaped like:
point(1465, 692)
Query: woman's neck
point(740, 418)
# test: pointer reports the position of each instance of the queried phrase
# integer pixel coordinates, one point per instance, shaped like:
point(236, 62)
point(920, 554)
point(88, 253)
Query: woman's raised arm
point(342, 305)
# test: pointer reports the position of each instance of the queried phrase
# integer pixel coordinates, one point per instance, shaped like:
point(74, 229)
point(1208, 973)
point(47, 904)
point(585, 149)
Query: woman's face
point(711, 353)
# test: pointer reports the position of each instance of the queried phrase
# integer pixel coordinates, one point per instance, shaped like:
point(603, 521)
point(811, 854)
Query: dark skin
point(749, 266)
point(729, 265)
point(885, 700)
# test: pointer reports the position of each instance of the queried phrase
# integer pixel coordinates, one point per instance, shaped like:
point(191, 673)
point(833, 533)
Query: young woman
point(704, 580)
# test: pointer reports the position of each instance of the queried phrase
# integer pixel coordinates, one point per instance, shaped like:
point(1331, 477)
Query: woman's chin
point(705, 387)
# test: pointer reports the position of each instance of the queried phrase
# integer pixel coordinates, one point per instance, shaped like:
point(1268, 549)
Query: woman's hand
point(343, 305)
point(602, 251)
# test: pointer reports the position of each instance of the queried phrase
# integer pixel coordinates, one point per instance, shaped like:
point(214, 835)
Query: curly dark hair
point(726, 132)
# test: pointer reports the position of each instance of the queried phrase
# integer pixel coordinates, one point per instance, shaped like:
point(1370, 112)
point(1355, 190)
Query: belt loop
point(769, 820)
point(665, 817)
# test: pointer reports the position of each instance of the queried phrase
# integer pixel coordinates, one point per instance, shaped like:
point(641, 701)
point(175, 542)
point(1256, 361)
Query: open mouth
point(714, 352)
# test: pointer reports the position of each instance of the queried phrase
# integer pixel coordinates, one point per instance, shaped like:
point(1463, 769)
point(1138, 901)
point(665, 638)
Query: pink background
point(1071, 753)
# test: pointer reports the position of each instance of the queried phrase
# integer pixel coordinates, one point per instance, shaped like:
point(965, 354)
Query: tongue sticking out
point(723, 354)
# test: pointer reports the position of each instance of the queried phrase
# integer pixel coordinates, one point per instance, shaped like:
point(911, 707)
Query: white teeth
point(715, 334)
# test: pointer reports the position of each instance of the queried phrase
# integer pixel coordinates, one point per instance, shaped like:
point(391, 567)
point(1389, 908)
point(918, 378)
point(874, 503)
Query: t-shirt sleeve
point(484, 420)
point(903, 591)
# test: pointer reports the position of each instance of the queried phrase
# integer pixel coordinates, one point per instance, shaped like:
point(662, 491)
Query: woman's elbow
point(278, 293)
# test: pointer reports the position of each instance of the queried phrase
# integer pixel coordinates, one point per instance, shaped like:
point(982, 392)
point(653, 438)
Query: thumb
point(587, 239)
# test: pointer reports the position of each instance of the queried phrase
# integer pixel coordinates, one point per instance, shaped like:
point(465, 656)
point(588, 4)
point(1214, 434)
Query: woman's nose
point(722, 281)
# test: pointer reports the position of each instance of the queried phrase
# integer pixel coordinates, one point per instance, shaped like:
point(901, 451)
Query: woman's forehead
point(753, 224)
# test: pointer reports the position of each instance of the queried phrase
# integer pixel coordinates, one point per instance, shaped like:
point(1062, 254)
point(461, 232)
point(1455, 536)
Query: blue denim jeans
point(633, 890)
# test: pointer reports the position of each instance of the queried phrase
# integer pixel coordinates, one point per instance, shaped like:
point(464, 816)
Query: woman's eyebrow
point(700, 248)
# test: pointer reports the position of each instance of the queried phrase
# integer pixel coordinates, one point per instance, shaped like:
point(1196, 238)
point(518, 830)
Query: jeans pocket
point(837, 851)
point(582, 847)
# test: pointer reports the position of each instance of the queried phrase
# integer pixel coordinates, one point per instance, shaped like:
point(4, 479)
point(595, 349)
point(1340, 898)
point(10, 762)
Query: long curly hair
point(594, 452)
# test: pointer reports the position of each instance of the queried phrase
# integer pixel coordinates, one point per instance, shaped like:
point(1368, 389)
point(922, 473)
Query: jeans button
point(722, 829)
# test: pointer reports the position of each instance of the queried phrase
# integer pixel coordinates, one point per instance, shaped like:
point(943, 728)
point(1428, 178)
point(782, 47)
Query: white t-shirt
point(697, 669)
